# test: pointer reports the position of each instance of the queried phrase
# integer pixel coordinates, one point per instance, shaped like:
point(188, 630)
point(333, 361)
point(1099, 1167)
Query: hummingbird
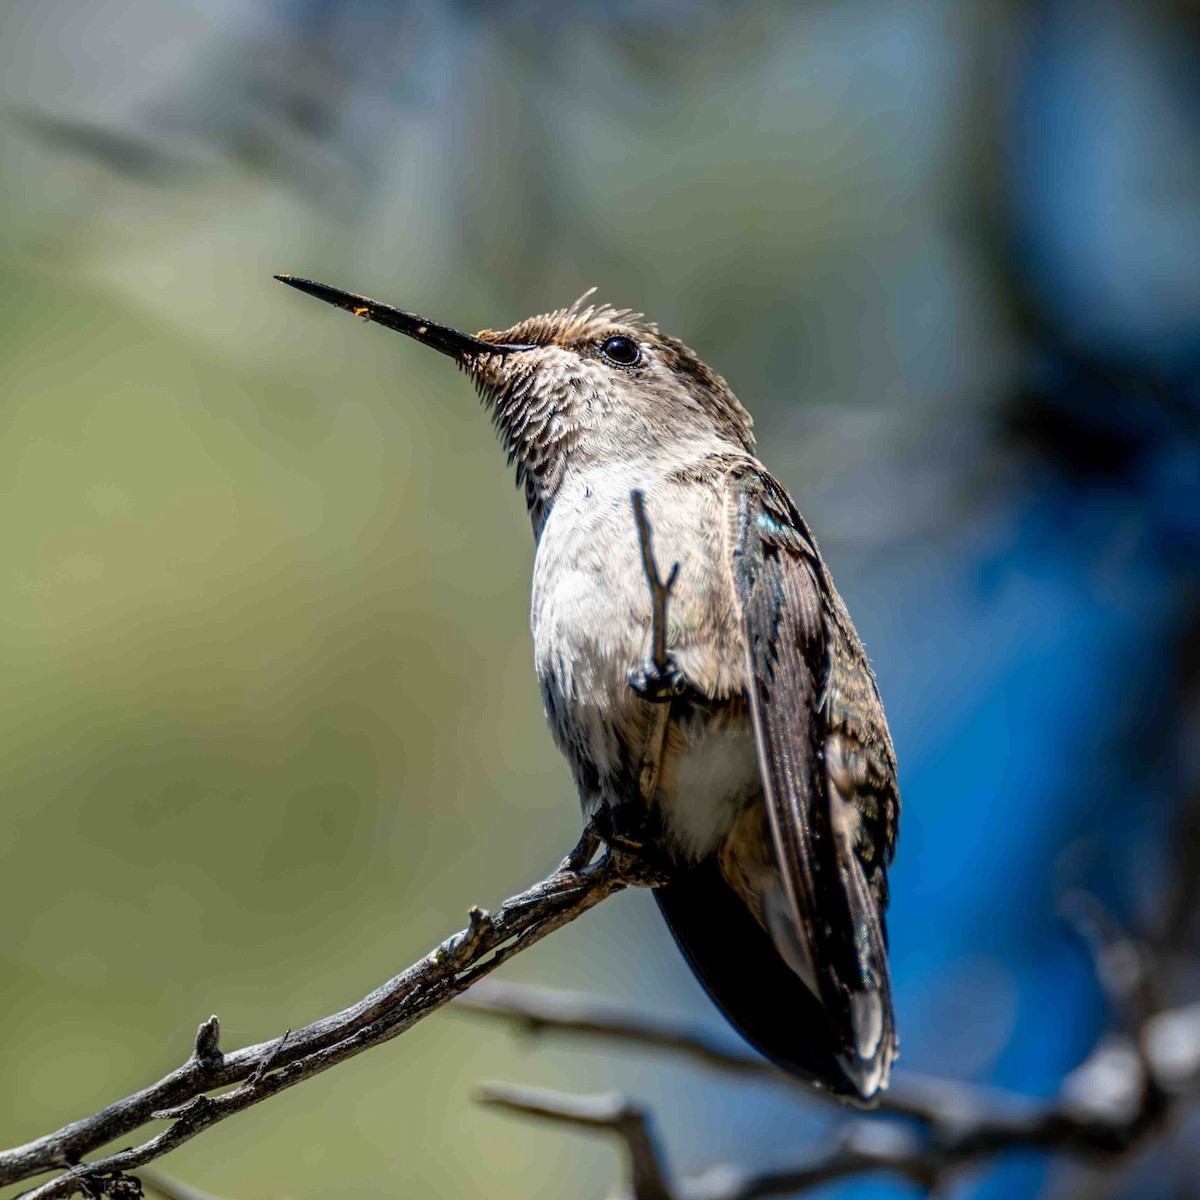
point(752, 758)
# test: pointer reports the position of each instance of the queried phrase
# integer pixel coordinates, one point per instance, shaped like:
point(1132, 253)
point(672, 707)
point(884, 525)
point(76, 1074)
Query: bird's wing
point(828, 769)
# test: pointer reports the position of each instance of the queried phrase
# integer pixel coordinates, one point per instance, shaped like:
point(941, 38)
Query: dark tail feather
point(743, 973)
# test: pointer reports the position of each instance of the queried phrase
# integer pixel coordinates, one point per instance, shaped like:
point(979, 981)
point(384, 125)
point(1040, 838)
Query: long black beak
point(440, 337)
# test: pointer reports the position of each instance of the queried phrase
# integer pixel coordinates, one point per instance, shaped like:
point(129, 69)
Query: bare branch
point(610, 1112)
point(548, 1010)
point(1104, 1107)
point(265, 1069)
point(924, 1155)
point(539, 1009)
point(863, 1148)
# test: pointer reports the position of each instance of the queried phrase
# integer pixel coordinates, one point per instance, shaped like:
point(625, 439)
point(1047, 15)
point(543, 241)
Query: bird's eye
point(622, 351)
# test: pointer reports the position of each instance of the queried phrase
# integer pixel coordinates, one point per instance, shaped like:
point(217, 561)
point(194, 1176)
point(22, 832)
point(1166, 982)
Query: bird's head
point(585, 385)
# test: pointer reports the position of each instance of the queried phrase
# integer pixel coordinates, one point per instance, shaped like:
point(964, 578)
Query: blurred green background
point(269, 717)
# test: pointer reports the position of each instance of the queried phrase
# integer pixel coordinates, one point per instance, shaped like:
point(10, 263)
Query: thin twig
point(664, 687)
point(660, 591)
point(268, 1068)
point(540, 1009)
point(606, 1113)
point(170, 1188)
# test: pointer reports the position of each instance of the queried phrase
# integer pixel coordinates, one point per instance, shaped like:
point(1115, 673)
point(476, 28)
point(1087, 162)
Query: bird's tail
point(738, 965)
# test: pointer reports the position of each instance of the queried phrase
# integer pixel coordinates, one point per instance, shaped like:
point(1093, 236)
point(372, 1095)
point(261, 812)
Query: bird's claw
point(628, 844)
point(656, 684)
point(622, 829)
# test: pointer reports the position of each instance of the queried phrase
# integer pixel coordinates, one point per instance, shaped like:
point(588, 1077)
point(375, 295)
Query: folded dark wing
point(827, 765)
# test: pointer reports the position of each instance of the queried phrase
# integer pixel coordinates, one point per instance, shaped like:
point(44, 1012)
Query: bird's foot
point(623, 828)
point(658, 685)
point(630, 839)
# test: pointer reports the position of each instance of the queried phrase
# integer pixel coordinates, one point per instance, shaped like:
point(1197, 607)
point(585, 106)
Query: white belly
point(714, 777)
point(591, 618)
point(591, 603)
